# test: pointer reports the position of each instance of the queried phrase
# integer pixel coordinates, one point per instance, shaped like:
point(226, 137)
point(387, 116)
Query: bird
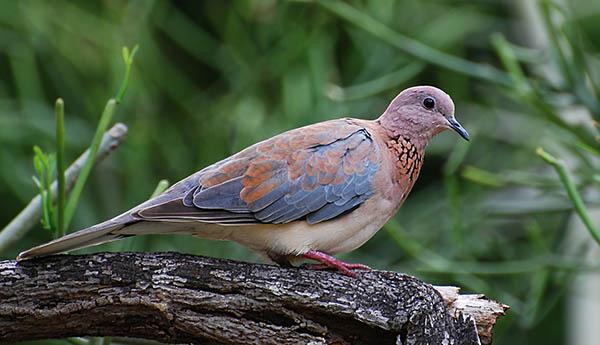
point(309, 193)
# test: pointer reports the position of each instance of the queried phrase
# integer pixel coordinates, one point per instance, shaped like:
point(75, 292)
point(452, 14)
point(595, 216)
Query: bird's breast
point(405, 161)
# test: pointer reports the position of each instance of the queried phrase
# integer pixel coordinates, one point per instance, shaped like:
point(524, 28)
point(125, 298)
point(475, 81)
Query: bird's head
point(421, 112)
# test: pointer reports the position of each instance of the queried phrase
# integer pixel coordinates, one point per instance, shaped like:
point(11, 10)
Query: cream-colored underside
point(339, 235)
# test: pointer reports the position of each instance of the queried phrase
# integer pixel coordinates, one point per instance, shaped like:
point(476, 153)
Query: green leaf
point(38, 166)
point(125, 53)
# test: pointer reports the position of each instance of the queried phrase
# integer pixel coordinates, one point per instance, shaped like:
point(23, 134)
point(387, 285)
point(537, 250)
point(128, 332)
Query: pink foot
point(328, 261)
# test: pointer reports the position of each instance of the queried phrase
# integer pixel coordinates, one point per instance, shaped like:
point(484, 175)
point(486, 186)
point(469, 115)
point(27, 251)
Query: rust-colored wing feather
point(315, 173)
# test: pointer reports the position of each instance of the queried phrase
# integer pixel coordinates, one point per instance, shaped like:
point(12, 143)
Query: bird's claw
point(329, 262)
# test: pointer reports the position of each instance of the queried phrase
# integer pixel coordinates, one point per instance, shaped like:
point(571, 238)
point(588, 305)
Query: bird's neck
point(408, 149)
point(398, 132)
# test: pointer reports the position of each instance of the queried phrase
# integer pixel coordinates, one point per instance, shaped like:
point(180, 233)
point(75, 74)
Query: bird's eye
point(428, 103)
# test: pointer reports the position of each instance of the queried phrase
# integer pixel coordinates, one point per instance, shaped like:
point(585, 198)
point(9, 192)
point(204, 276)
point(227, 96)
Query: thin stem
point(59, 109)
point(128, 59)
point(567, 181)
point(160, 188)
point(105, 119)
point(510, 62)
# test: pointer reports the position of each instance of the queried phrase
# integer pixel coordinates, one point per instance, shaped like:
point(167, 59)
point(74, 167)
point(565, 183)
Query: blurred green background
point(212, 77)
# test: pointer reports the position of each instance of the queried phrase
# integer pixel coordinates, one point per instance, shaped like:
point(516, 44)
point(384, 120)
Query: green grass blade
point(510, 62)
point(105, 119)
point(59, 109)
point(567, 180)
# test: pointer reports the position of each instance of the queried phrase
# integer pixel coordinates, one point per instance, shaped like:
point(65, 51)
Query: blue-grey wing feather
point(225, 196)
point(303, 198)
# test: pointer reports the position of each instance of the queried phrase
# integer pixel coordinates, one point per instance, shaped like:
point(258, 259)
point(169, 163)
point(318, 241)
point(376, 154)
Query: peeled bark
point(177, 298)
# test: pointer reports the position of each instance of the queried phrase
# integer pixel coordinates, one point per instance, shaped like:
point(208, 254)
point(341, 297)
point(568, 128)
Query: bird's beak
point(458, 128)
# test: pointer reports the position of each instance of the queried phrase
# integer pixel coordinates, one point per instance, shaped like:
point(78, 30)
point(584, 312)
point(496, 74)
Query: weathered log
point(177, 298)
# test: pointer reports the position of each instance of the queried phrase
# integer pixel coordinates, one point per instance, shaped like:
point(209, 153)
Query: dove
point(308, 193)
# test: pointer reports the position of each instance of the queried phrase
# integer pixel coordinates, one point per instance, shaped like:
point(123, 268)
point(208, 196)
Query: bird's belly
point(335, 236)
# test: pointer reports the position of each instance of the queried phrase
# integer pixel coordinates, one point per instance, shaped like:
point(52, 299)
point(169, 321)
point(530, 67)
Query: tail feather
point(124, 225)
point(94, 235)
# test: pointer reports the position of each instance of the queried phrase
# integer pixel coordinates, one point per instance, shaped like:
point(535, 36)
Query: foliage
point(45, 165)
point(103, 124)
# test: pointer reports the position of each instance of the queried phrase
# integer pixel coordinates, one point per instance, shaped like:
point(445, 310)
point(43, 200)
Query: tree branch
point(177, 298)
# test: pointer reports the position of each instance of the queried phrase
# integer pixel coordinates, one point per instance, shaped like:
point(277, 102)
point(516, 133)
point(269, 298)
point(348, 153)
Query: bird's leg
point(328, 261)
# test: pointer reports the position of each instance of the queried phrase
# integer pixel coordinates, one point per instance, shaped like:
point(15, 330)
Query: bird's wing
point(314, 173)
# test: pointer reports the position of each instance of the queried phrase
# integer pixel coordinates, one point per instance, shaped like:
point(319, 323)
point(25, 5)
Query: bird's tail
point(94, 235)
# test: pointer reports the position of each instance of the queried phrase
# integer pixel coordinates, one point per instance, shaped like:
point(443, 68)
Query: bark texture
point(177, 298)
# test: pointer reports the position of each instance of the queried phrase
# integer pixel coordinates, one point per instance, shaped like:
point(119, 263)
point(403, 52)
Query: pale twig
point(30, 215)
